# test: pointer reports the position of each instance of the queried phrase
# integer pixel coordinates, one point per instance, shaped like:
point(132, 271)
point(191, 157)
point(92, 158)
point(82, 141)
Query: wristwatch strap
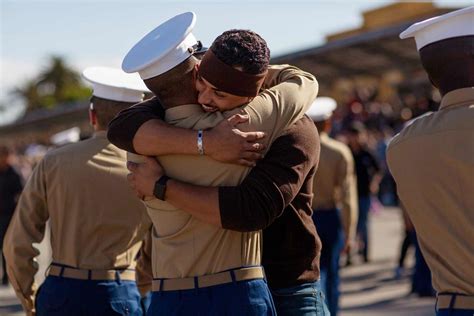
point(160, 187)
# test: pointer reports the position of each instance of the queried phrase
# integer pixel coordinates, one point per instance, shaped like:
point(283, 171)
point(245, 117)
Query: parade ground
point(367, 289)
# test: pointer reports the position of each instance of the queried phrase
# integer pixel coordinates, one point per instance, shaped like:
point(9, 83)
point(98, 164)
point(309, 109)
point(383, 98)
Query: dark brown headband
point(228, 79)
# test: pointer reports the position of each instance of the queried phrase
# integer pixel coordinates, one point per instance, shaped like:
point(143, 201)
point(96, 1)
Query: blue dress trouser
point(59, 296)
point(329, 227)
point(455, 312)
point(239, 298)
point(306, 299)
point(421, 279)
point(362, 224)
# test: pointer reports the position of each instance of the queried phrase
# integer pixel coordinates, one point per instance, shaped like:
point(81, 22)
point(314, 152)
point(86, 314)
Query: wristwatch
point(160, 187)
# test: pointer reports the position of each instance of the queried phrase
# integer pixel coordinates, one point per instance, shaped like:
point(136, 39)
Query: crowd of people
point(226, 164)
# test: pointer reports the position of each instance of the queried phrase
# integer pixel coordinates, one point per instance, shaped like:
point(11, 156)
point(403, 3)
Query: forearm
point(26, 228)
point(19, 256)
point(349, 208)
point(252, 206)
point(124, 126)
point(277, 108)
point(156, 138)
point(248, 207)
point(200, 202)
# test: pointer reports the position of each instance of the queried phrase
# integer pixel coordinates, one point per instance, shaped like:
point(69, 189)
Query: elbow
point(315, 85)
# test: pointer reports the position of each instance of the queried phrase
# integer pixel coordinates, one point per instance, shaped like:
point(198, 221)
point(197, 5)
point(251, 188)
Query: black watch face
point(160, 188)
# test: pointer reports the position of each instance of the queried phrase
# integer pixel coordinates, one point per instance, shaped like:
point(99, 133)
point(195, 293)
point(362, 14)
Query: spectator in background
point(408, 240)
point(10, 189)
point(368, 179)
point(335, 200)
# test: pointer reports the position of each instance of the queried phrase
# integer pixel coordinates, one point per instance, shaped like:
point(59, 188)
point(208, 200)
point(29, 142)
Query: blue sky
point(97, 32)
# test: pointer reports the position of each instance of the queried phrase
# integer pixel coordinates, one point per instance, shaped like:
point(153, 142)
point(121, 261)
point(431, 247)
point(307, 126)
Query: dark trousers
point(421, 282)
point(328, 224)
point(59, 296)
point(408, 240)
point(250, 297)
point(4, 222)
point(362, 225)
point(306, 299)
point(454, 312)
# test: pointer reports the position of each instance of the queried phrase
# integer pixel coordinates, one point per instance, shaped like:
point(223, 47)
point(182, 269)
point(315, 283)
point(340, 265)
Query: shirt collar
point(323, 135)
point(100, 134)
point(182, 111)
point(458, 97)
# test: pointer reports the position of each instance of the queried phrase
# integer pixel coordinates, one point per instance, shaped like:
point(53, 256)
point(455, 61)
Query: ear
point(195, 71)
point(433, 83)
point(92, 117)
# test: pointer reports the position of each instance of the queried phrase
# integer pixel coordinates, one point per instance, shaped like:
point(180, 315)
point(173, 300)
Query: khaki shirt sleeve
point(27, 227)
point(348, 188)
point(288, 95)
point(144, 268)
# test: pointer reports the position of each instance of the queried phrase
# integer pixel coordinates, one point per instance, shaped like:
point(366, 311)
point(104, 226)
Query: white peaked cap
point(114, 84)
point(70, 135)
point(453, 24)
point(168, 45)
point(321, 109)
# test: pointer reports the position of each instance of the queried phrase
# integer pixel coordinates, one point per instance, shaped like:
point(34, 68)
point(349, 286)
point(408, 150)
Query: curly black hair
point(244, 49)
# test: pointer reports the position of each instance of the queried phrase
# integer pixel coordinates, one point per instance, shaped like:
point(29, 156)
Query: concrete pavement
point(371, 289)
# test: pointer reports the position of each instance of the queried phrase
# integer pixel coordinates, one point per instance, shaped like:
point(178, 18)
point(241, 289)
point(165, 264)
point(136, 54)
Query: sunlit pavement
point(371, 288)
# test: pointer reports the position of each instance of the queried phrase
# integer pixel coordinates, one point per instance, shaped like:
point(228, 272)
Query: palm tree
point(30, 95)
point(56, 84)
point(57, 78)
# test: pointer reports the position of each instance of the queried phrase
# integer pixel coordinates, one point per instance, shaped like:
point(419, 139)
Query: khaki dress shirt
point(183, 246)
point(335, 182)
point(96, 221)
point(432, 161)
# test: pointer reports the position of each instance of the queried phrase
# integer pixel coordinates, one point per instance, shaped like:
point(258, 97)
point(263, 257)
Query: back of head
point(242, 49)
point(450, 63)
point(446, 46)
point(174, 84)
point(113, 91)
point(105, 110)
point(164, 59)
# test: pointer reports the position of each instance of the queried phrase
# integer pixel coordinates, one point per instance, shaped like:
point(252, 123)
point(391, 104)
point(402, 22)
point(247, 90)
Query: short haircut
point(106, 110)
point(244, 49)
point(173, 82)
point(449, 63)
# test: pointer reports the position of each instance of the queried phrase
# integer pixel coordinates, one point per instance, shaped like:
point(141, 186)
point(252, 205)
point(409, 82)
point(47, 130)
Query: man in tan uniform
point(432, 160)
point(335, 189)
point(97, 224)
point(188, 253)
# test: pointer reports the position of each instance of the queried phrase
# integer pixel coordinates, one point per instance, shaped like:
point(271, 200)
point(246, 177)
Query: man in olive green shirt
point(335, 200)
point(187, 247)
point(97, 224)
